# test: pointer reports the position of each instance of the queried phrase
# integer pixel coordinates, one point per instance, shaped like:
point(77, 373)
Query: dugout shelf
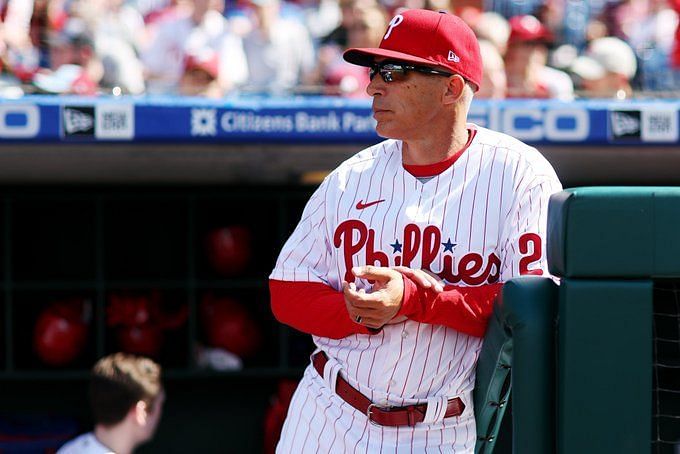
point(94, 242)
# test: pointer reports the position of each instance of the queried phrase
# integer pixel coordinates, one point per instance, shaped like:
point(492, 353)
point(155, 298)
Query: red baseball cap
point(428, 38)
point(207, 61)
point(527, 28)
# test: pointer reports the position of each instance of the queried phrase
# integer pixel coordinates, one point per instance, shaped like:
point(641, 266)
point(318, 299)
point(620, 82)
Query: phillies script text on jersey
point(471, 268)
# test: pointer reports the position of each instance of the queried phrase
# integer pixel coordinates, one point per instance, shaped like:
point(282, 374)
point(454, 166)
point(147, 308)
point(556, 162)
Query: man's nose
point(376, 86)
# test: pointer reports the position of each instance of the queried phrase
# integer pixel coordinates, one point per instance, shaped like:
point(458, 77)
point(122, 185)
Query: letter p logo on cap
point(396, 20)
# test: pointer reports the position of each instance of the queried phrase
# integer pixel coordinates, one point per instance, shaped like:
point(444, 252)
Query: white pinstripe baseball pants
point(319, 421)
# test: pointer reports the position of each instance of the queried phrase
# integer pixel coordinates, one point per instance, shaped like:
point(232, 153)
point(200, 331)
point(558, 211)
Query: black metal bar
point(100, 284)
point(54, 285)
point(9, 314)
point(191, 283)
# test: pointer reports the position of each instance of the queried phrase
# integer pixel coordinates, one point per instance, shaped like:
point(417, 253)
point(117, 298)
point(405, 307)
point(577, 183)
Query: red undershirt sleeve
point(313, 308)
point(465, 309)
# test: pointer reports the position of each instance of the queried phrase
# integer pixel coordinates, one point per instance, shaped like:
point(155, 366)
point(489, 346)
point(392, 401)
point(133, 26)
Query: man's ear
point(140, 412)
point(454, 89)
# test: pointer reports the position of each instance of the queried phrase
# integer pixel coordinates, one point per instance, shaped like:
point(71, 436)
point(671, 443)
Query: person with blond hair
point(126, 396)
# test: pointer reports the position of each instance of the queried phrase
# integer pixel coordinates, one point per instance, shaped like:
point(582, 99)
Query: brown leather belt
point(384, 416)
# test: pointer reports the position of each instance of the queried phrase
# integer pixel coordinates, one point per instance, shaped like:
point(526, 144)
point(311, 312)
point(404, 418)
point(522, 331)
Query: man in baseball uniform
point(401, 251)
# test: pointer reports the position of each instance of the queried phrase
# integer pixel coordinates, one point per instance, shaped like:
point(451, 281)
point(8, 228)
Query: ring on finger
point(357, 319)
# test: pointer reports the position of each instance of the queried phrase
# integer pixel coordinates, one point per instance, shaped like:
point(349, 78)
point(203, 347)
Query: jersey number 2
point(535, 256)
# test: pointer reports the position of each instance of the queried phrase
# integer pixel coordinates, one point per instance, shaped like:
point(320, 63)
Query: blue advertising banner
point(319, 120)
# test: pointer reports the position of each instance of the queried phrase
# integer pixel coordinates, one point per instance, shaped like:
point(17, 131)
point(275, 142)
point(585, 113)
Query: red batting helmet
point(144, 340)
point(60, 332)
point(229, 249)
point(228, 325)
point(130, 309)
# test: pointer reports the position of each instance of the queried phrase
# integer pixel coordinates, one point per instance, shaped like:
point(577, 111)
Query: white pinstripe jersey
point(482, 220)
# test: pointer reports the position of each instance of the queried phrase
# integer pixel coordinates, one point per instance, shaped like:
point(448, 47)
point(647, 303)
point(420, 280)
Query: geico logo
point(19, 121)
point(560, 125)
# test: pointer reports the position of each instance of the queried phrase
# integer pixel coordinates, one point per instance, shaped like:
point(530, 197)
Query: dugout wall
point(601, 354)
point(617, 389)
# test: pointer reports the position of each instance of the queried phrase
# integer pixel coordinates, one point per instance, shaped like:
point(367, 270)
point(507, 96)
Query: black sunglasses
point(396, 72)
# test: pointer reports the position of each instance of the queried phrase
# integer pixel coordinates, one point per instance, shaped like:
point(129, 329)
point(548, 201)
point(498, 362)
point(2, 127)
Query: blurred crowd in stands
point(559, 49)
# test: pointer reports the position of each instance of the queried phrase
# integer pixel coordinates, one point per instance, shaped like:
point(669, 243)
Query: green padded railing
point(608, 244)
point(614, 232)
point(604, 374)
point(518, 355)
